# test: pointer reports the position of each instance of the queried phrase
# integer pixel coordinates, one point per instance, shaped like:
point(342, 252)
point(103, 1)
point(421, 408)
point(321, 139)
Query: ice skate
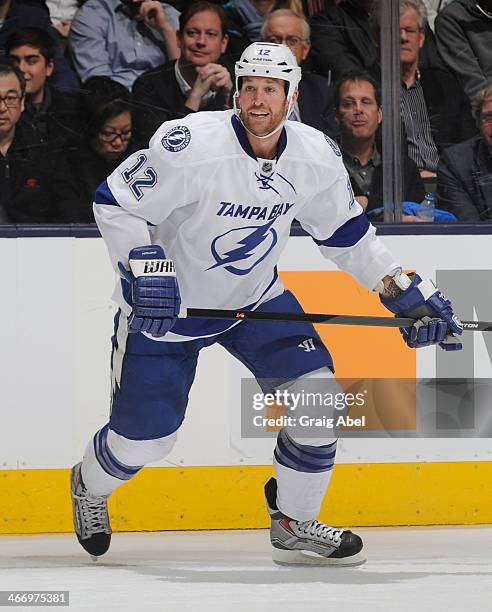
point(90, 517)
point(309, 542)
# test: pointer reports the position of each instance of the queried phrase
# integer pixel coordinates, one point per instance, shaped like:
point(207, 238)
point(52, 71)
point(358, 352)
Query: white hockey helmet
point(269, 60)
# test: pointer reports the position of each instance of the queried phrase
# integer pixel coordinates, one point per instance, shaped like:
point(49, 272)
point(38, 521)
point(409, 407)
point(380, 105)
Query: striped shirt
point(421, 146)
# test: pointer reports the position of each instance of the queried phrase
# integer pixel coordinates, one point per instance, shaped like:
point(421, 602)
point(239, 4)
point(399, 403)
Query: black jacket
point(449, 111)
point(464, 39)
point(342, 41)
point(34, 182)
point(464, 181)
point(87, 171)
point(316, 104)
point(157, 98)
point(58, 119)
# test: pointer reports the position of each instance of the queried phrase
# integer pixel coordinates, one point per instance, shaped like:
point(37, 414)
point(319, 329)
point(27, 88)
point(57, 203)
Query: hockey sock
point(111, 459)
point(303, 474)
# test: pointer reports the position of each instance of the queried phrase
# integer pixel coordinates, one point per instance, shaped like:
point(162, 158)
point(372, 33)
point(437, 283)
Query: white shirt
point(224, 216)
point(62, 9)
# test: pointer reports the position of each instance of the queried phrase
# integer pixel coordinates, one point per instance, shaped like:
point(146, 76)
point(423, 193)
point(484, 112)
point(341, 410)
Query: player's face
point(411, 37)
point(287, 30)
point(486, 122)
point(202, 41)
point(12, 103)
point(34, 66)
point(358, 112)
point(113, 137)
point(263, 104)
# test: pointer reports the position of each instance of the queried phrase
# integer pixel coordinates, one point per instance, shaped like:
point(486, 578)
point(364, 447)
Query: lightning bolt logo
point(256, 244)
point(176, 139)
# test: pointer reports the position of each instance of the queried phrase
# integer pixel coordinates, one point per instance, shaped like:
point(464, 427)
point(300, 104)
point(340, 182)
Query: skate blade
point(301, 557)
point(94, 558)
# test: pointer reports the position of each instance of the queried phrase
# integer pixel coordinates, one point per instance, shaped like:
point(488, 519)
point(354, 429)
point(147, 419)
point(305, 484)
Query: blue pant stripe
point(299, 466)
point(108, 461)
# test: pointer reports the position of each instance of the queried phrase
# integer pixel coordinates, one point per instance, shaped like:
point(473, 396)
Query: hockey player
point(216, 193)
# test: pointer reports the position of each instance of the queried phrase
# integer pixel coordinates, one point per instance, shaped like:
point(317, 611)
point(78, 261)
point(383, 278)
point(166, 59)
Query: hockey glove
point(436, 324)
point(154, 295)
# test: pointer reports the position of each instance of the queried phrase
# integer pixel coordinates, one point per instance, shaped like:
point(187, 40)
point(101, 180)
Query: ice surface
point(408, 569)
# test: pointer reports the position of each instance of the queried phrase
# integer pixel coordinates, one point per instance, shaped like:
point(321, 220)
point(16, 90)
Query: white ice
point(407, 569)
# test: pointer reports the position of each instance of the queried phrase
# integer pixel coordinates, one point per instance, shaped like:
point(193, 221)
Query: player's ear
point(295, 95)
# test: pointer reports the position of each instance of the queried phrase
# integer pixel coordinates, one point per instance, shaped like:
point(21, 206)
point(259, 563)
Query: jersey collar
point(244, 142)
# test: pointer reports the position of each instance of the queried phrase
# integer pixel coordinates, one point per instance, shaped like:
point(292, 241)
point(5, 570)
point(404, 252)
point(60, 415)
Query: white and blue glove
point(154, 295)
point(436, 323)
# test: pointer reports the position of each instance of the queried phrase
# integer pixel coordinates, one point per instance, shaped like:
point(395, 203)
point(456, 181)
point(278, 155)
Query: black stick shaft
point(330, 319)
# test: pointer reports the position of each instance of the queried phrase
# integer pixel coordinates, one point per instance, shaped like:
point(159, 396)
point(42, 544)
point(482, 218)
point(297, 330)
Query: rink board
point(55, 390)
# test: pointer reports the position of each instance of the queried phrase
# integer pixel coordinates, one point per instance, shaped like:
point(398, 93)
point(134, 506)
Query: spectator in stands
point(343, 40)
point(105, 143)
point(15, 15)
point(464, 174)
point(199, 80)
point(464, 39)
point(33, 182)
point(315, 104)
point(121, 40)
point(434, 109)
point(245, 17)
point(359, 112)
point(49, 110)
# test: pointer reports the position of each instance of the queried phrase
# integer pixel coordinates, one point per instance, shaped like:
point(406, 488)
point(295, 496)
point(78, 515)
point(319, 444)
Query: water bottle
point(427, 208)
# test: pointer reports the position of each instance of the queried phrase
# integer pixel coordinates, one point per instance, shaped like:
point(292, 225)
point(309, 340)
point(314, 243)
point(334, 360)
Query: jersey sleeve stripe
point(104, 195)
point(347, 234)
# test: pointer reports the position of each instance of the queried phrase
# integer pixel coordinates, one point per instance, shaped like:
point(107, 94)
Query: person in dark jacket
point(33, 180)
point(106, 142)
point(198, 80)
point(50, 111)
point(359, 112)
point(315, 103)
point(464, 39)
point(464, 174)
point(343, 39)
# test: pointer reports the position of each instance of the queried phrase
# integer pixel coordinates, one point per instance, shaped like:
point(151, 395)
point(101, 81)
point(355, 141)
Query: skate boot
point(90, 517)
point(309, 542)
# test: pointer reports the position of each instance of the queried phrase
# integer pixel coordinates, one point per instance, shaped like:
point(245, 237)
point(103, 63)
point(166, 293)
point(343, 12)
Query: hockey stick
point(331, 319)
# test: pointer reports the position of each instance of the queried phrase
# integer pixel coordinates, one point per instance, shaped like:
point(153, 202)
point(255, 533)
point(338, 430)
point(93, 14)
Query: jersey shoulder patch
point(335, 148)
point(176, 139)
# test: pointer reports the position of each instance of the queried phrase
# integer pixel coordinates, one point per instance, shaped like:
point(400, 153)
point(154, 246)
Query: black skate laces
point(321, 530)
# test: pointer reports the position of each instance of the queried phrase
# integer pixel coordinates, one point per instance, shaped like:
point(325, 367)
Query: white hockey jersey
point(224, 216)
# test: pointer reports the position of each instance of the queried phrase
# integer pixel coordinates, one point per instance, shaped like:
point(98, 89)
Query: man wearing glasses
point(29, 184)
point(315, 104)
point(464, 173)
